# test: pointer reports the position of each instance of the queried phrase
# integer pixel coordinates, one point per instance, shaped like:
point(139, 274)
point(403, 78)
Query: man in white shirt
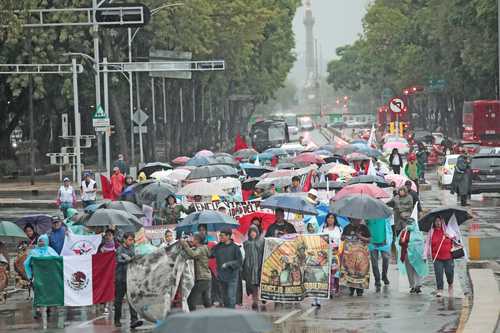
point(88, 191)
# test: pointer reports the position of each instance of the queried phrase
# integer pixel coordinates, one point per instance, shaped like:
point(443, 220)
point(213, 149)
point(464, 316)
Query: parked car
point(485, 173)
point(489, 150)
point(445, 171)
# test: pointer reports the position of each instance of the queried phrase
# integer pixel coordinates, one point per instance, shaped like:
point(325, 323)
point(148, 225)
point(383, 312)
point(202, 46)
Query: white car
point(445, 171)
point(438, 138)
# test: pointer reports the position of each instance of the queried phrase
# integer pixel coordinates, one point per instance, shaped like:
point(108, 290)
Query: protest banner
point(233, 209)
point(296, 268)
point(158, 231)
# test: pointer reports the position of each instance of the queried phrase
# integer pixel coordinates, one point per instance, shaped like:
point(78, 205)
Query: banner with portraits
point(296, 268)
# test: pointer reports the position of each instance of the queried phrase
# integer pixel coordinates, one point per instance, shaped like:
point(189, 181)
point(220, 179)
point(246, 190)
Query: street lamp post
point(131, 92)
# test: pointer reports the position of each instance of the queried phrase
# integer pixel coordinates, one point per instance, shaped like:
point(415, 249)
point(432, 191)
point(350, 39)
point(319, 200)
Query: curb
point(485, 306)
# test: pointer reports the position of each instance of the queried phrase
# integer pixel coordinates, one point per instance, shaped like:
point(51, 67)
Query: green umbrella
point(9, 229)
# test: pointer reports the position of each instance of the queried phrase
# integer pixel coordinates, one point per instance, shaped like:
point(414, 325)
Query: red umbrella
point(266, 219)
point(308, 158)
point(181, 160)
point(367, 189)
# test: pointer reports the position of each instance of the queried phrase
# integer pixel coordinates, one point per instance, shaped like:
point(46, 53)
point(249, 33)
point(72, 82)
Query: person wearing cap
point(413, 169)
point(88, 190)
point(117, 183)
point(229, 261)
point(281, 226)
point(66, 197)
point(57, 234)
point(312, 196)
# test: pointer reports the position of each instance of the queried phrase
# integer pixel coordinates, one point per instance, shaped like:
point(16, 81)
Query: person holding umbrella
point(403, 207)
point(171, 213)
point(356, 231)
point(57, 234)
point(438, 246)
point(281, 226)
point(229, 260)
point(30, 232)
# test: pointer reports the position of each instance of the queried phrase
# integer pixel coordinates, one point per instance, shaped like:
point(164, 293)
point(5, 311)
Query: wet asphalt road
point(392, 310)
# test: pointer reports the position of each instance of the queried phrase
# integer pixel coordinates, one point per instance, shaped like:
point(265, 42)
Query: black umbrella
point(462, 215)
point(130, 192)
point(249, 184)
point(290, 202)
point(336, 159)
point(214, 220)
point(368, 179)
point(253, 170)
point(106, 217)
point(150, 168)
point(215, 320)
point(332, 185)
point(210, 171)
point(154, 194)
point(361, 207)
point(125, 206)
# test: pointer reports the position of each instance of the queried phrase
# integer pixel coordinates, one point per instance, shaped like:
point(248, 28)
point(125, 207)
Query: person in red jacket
point(438, 247)
point(117, 183)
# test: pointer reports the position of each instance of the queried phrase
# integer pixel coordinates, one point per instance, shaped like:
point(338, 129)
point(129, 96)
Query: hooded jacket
point(254, 252)
point(37, 252)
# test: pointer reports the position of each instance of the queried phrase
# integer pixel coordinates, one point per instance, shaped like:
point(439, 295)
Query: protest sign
point(233, 209)
point(355, 268)
point(296, 268)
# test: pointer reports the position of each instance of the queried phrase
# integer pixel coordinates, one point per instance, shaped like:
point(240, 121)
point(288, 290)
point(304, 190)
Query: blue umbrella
point(214, 221)
point(262, 157)
point(91, 208)
point(200, 161)
point(356, 141)
point(276, 151)
point(323, 152)
point(291, 203)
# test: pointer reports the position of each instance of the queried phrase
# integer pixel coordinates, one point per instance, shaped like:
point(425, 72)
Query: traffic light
point(401, 128)
point(392, 127)
point(124, 15)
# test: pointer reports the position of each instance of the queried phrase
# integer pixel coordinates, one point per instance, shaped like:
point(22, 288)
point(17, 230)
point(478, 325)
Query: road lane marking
point(308, 312)
point(285, 317)
point(87, 323)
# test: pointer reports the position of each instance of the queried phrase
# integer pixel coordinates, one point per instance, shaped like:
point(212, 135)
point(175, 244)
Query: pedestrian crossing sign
point(99, 113)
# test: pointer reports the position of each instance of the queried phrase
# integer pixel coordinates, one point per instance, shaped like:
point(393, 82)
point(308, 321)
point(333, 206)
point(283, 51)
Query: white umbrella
point(227, 183)
point(203, 189)
point(161, 175)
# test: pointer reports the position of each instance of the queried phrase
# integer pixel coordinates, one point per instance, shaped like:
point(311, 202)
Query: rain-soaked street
point(392, 310)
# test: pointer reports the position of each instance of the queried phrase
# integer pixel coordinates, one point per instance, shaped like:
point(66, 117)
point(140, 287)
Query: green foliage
point(407, 43)
point(254, 37)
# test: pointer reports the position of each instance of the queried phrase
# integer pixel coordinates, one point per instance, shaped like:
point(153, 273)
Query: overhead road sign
point(397, 105)
point(39, 68)
point(163, 66)
point(168, 55)
point(124, 15)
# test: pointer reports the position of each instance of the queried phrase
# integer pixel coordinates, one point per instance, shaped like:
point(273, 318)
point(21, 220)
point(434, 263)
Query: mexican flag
point(74, 280)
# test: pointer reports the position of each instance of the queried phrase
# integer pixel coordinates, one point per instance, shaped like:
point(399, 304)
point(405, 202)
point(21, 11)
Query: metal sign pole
point(77, 122)
point(95, 31)
point(153, 104)
point(131, 100)
point(106, 110)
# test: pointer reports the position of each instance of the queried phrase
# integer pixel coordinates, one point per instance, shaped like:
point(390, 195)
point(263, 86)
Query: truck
point(267, 134)
point(481, 122)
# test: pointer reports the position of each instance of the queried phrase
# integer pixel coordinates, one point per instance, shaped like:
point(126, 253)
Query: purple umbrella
point(41, 223)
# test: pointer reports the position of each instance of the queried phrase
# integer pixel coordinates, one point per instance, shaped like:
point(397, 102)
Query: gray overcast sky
point(338, 22)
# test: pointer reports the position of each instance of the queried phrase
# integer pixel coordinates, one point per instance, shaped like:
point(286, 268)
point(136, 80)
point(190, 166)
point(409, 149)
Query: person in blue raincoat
point(42, 249)
point(380, 244)
point(410, 246)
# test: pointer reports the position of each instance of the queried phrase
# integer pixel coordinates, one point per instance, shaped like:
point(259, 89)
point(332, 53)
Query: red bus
point(481, 122)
